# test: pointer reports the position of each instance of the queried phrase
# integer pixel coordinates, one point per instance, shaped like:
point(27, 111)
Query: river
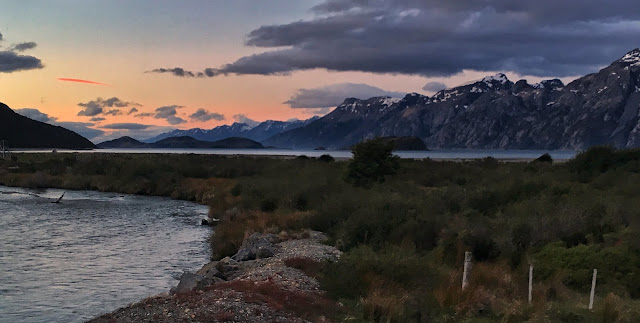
point(92, 253)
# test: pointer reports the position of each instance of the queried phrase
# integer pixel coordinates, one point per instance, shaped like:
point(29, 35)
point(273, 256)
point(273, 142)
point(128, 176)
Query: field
point(405, 231)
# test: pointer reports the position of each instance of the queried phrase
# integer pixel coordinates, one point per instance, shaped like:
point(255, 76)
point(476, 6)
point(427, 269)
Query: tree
point(372, 161)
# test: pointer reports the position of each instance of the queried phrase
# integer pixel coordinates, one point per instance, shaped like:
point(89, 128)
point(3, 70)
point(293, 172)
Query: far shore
point(462, 155)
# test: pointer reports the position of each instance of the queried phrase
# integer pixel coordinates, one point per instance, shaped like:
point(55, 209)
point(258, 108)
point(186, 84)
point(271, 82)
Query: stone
point(244, 254)
point(257, 240)
point(265, 252)
point(189, 282)
point(227, 265)
point(211, 272)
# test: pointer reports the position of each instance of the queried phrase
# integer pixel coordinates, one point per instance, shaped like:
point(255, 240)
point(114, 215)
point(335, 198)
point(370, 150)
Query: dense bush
point(372, 161)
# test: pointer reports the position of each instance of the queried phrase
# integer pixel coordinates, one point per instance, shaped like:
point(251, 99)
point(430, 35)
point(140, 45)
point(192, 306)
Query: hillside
point(21, 132)
point(123, 142)
point(493, 113)
point(188, 142)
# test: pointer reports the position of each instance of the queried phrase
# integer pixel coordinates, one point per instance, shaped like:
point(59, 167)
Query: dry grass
point(307, 306)
point(229, 235)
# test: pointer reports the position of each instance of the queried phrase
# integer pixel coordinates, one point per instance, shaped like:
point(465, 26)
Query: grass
point(404, 237)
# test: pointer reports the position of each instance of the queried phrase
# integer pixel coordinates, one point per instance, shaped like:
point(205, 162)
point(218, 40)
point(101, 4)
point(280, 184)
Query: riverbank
point(271, 288)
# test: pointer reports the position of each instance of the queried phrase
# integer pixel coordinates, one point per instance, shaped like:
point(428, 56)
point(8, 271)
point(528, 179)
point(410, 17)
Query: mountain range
point(260, 132)
point(602, 108)
point(493, 113)
point(21, 132)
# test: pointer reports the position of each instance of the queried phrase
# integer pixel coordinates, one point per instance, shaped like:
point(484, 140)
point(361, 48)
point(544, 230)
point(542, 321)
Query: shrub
point(372, 161)
point(269, 204)
point(326, 158)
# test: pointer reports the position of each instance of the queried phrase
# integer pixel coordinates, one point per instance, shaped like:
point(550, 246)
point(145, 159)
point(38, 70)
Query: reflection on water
point(92, 253)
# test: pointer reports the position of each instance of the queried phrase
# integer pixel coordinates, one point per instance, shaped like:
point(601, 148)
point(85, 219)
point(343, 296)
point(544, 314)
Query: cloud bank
point(204, 115)
point(333, 95)
point(99, 107)
point(35, 114)
point(434, 86)
point(169, 113)
point(11, 61)
point(546, 38)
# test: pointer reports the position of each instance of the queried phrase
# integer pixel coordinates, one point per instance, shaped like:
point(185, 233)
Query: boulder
point(244, 254)
point(227, 265)
point(257, 240)
point(265, 252)
point(189, 282)
point(256, 246)
point(211, 272)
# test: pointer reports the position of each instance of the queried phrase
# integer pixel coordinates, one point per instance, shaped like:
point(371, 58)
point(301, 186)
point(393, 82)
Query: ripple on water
point(92, 253)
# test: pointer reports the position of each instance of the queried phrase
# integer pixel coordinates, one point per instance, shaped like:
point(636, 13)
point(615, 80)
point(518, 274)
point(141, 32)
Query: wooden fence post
point(530, 282)
point(593, 288)
point(467, 269)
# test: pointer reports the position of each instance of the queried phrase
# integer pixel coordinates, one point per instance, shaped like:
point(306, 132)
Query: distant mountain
point(123, 142)
point(493, 113)
point(259, 132)
point(183, 142)
point(189, 142)
point(21, 132)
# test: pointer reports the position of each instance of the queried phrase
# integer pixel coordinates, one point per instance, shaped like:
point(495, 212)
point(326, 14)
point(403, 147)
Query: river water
point(92, 253)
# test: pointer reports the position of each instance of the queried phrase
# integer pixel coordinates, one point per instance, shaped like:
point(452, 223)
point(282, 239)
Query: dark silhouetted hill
point(21, 132)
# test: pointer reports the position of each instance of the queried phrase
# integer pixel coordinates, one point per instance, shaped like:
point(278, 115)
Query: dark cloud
point(144, 115)
point(24, 46)
point(442, 38)
point(242, 118)
point(176, 71)
point(12, 62)
point(434, 86)
point(333, 95)
point(98, 106)
point(0, 36)
point(82, 128)
point(35, 114)
point(97, 119)
point(132, 111)
point(113, 112)
point(126, 126)
point(169, 113)
point(204, 115)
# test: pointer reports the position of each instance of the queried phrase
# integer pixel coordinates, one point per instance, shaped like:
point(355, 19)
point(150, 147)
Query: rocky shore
point(265, 281)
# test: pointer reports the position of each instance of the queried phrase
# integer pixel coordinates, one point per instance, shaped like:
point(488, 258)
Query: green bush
point(372, 161)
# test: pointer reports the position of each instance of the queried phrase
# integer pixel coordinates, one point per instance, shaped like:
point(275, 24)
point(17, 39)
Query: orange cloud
point(80, 81)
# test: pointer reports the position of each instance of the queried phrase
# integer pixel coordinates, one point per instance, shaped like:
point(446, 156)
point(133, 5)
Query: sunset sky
point(127, 67)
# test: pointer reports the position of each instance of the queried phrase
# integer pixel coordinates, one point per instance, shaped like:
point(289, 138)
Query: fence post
point(593, 288)
point(530, 282)
point(467, 269)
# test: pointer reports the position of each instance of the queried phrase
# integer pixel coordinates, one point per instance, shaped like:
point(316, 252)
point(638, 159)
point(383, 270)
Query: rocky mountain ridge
point(493, 113)
point(258, 132)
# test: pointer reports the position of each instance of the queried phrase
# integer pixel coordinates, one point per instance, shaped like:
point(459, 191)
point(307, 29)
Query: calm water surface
point(434, 154)
point(93, 253)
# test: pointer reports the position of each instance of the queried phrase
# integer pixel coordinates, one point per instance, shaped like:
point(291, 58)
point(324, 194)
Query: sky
point(107, 68)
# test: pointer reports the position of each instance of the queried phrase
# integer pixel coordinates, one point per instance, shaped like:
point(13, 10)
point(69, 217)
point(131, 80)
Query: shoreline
point(337, 155)
point(270, 285)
